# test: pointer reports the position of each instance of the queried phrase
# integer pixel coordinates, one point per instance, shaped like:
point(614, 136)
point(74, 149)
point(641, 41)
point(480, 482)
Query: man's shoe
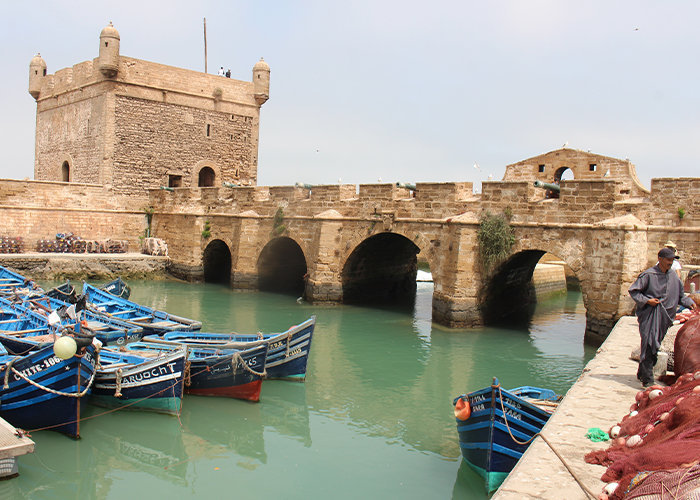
point(648, 383)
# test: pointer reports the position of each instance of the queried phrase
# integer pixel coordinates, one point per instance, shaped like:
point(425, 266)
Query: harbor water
point(373, 419)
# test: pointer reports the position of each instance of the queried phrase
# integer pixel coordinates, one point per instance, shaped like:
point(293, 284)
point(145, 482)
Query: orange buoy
point(462, 409)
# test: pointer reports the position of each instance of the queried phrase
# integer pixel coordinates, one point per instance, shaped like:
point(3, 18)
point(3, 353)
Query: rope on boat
point(188, 373)
point(573, 474)
point(53, 391)
point(118, 388)
point(237, 360)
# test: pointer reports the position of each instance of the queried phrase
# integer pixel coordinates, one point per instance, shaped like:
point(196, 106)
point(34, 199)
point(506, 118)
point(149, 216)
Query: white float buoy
point(65, 347)
point(655, 394)
point(610, 488)
point(633, 441)
point(633, 413)
point(615, 431)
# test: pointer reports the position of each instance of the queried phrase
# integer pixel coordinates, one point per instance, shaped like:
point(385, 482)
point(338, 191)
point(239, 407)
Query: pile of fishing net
point(656, 448)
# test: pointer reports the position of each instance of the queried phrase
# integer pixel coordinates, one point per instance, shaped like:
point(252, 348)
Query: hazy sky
point(401, 90)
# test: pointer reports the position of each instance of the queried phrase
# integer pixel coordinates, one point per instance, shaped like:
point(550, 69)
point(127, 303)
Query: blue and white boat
point(54, 398)
point(216, 372)
point(287, 355)
point(495, 427)
point(151, 320)
point(141, 379)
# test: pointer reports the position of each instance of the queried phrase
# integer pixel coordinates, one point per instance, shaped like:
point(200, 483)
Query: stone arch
point(65, 171)
point(381, 270)
point(65, 168)
point(209, 167)
point(216, 262)
point(563, 173)
point(509, 294)
point(282, 267)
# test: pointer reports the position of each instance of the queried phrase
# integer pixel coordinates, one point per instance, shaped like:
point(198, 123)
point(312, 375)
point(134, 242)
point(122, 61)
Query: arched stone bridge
point(343, 244)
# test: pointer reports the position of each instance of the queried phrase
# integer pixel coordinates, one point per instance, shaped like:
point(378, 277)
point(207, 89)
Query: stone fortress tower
point(133, 125)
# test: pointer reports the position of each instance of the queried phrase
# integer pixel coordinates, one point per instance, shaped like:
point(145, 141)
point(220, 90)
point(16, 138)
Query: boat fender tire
point(462, 409)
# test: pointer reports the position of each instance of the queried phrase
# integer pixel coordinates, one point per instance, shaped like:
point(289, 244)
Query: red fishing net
point(686, 348)
point(661, 433)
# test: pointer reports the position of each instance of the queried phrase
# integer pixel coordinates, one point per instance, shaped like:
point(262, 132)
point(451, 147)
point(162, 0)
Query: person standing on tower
point(221, 71)
point(228, 73)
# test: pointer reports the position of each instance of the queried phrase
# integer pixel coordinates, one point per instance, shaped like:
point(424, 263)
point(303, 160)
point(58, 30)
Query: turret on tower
point(37, 72)
point(261, 81)
point(109, 51)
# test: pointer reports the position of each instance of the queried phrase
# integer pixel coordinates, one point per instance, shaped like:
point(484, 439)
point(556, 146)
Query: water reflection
point(374, 417)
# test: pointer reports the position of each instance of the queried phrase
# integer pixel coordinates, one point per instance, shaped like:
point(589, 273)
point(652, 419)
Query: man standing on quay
point(657, 293)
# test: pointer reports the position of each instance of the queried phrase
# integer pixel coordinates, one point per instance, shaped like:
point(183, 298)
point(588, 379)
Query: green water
point(373, 419)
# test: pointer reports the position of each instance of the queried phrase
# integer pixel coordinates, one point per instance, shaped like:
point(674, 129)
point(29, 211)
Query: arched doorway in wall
point(382, 271)
point(526, 278)
point(216, 262)
point(206, 177)
point(65, 171)
point(282, 267)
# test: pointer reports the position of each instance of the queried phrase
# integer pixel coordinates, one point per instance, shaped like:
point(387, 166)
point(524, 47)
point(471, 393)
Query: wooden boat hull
point(154, 385)
point(287, 355)
point(485, 436)
point(33, 408)
point(222, 375)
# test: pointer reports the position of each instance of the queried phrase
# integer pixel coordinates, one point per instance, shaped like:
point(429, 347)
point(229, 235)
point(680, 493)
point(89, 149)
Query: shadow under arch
point(509, 297)
point(216, 262)
point(381, 271)
point(282, 267)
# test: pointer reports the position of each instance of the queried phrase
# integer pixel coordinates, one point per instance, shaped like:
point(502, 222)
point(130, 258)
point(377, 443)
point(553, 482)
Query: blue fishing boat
point(495, 427)
point(55, 396)
point(287, 355)
point(11, 281)
point(117, 287)
point(140, 379)
point(217, 372)
point(151, 320)
point(108, 330)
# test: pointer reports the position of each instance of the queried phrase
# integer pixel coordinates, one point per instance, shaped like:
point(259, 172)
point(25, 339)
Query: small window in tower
point(44, 71)
point(106, 44)
point(541, 168)
point(592, 167)
point(174, 181)
point(208, 130)
point(65, 172)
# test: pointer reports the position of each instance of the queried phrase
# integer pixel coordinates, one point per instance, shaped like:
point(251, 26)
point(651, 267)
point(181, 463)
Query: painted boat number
point(47, 363)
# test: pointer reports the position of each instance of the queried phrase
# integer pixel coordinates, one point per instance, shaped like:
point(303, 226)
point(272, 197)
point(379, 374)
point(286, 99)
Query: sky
point(402, 91)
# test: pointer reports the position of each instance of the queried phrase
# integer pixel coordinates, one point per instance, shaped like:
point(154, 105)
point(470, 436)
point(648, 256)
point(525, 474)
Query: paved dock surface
point(600, 398)
point(12, 445)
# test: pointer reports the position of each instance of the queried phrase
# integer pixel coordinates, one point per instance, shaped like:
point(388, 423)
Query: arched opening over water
point(217, 263)
point(381, 271)
point(519, 283)
point(282, 267)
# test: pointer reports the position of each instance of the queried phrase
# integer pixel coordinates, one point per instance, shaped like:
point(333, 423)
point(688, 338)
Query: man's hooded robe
point(654, 321)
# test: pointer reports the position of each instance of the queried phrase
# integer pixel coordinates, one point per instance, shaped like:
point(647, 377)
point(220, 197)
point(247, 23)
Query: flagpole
point(205, 45)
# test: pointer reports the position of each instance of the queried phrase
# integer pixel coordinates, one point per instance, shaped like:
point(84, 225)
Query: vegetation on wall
point(681, 212)
point(206, 232)
point(278, 226)
point(149, 210)
point(496, 239)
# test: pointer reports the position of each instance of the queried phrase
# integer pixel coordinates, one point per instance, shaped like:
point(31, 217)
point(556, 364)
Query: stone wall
point(39, 209)
point(156, 139)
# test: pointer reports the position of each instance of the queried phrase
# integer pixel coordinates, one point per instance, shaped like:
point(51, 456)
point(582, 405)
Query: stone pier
point(600, 398)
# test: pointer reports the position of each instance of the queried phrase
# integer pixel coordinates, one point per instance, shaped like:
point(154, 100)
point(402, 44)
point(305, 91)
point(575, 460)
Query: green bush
point(496, 239)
